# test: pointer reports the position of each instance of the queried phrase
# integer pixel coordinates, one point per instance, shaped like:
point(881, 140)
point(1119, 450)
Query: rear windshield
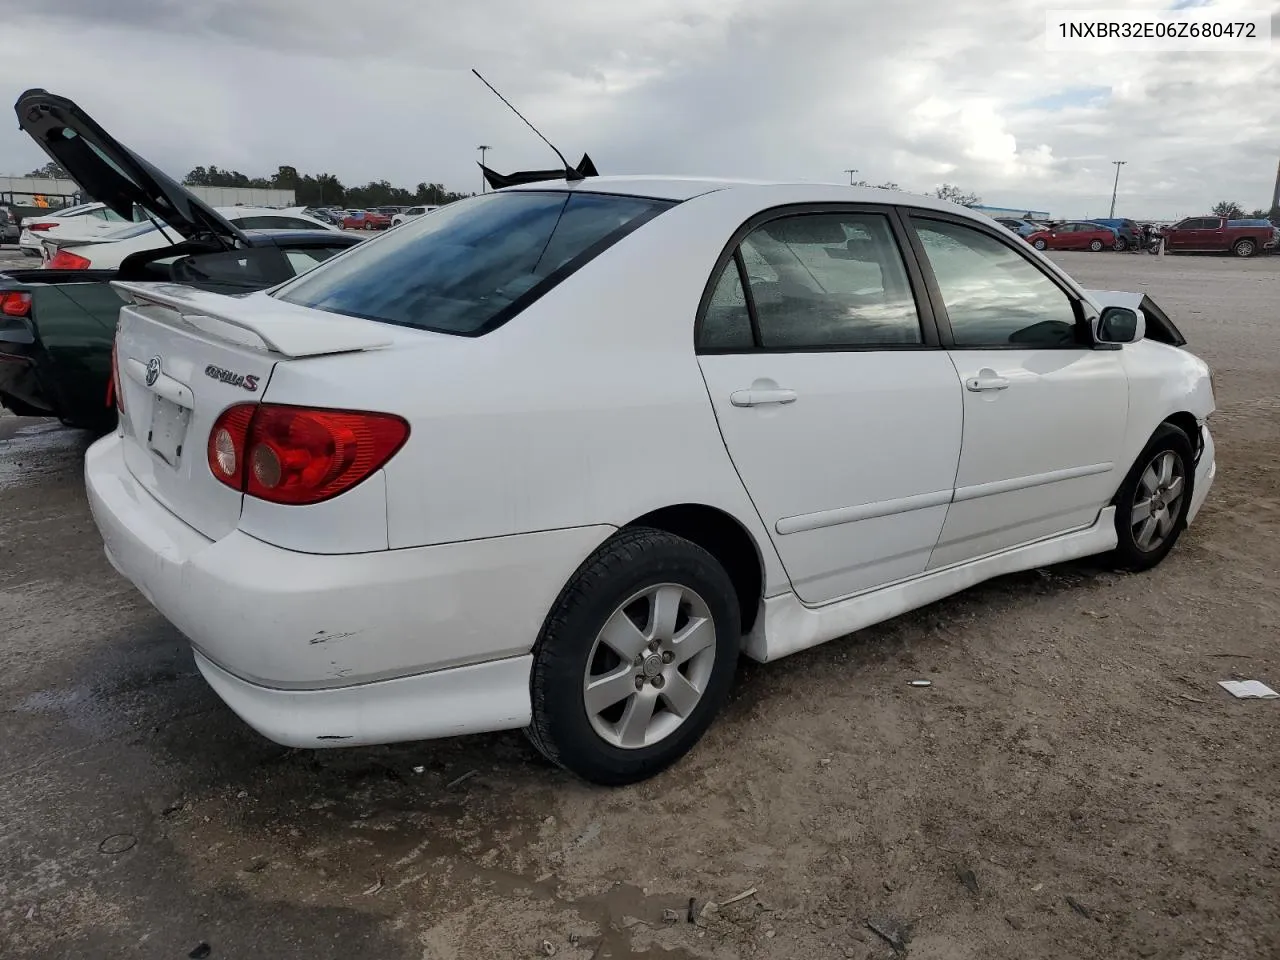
point(474, 264)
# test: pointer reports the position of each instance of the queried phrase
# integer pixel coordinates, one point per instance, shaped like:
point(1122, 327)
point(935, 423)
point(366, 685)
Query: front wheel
point(1039, 244)
point(1245, 248)
point(635, 659)
point(1152, 504)
point(1095, 245)
point(1121, 245)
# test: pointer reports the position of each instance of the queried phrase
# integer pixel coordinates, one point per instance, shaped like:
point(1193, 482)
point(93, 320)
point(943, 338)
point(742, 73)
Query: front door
point(1044, 412)
point(1186, 235)
point(837, 405)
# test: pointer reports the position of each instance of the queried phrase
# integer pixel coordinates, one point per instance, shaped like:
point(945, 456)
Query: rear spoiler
point(497, 180)
point(282, 327)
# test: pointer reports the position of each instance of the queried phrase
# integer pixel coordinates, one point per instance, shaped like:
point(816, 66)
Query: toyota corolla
point(555, 456)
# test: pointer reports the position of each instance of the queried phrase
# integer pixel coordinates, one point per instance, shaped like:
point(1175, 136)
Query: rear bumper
point(445, 703)
point(403, 644)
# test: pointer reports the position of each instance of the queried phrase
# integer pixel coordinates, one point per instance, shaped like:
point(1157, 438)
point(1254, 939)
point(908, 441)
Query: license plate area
point(168, 430)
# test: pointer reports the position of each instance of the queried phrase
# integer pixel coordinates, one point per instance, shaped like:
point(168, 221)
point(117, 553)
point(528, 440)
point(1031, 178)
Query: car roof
point(772, 192)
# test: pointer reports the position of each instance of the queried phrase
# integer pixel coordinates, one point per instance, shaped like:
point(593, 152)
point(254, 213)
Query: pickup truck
point(1219, 235)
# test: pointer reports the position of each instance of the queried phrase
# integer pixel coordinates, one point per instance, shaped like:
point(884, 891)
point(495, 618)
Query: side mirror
point(1120, 325)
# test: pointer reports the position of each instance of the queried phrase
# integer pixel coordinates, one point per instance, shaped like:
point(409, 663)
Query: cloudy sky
point(919, 92)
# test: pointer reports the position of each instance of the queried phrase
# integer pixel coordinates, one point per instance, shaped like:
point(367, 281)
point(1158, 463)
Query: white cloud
point(918, 91)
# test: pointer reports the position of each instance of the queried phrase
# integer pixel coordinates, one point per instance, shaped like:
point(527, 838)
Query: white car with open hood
point(554, 456)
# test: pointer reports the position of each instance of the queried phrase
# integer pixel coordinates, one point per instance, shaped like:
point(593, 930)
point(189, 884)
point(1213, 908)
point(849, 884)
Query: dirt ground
point(1074, 784)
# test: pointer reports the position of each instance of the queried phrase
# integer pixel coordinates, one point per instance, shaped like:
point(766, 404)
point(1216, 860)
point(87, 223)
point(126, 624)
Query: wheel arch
point(725, 538)
point(1185, 421)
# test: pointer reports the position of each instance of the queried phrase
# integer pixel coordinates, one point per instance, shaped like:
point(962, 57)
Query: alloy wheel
point(650, 665)
point(1157, 501)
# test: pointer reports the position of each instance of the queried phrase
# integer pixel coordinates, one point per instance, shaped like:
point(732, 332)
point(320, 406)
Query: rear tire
point(1095, 245)
point(1039, 244)
point(616, 697)
point(1152, 503)
point(1245, 248)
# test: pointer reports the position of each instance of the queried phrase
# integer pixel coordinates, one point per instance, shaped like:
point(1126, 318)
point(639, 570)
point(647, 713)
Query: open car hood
point(1159, 327)
point(110, 172)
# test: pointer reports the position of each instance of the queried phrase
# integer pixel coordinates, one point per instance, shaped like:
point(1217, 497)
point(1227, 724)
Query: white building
point(24, 191)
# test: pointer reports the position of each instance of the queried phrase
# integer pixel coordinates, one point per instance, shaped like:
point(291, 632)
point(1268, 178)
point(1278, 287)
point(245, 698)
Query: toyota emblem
point(153, 371)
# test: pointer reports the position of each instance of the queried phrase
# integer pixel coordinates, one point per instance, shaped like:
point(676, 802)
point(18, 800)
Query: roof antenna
point(569, 173)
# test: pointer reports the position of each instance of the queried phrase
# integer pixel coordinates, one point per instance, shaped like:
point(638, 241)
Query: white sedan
point(555, 456)
point(107, 250)
point(82, 222)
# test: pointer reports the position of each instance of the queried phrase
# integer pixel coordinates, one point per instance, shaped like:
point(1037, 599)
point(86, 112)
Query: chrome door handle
point(754, 398)
point(985, 383)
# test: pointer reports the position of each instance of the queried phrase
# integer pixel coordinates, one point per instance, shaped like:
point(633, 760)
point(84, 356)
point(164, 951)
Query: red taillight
point(227, 442)
point(300, 455)
point(37, 227)
point(65, 260)
point(15, 304)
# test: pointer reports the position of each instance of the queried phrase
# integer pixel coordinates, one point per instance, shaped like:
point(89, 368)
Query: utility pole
point(1116, 186)
point(851, 172)
point(483, 148)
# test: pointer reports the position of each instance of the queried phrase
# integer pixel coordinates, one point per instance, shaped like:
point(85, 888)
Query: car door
point(837, 406)
point(1182, 235)
point(1044, 409)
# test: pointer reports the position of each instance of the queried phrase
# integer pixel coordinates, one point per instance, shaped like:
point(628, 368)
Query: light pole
point(1116, 186)
point(483, 148)
point(851, 172)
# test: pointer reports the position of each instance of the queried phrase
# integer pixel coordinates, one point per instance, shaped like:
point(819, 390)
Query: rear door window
point(474, 264)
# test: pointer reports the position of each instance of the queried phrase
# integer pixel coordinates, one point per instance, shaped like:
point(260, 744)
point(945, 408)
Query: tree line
point(325, 189)
point(318, 190)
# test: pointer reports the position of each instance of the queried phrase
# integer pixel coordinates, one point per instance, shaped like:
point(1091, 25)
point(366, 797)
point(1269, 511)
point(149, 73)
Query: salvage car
point(555, 456)
point(57, 325)
point(1074, 235)
point(1220, 235)
point(109, 250)
point(82, 220)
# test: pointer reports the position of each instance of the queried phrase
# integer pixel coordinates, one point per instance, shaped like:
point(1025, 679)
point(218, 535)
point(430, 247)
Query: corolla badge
point(153, 371)
point(247, 380)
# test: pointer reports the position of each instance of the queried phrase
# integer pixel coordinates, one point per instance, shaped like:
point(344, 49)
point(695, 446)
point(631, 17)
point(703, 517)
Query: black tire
point(1129, 555)
point(1096, 245)
point(1245, 248)
point(1039, 244)
point(626, 564)
point(1121, 245)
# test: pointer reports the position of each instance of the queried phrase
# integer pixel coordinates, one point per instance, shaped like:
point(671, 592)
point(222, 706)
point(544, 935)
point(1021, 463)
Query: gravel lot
point(1074, 760)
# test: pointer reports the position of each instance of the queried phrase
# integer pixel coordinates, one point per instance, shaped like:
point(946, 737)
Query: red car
point(365, 220)
point(1074, 235)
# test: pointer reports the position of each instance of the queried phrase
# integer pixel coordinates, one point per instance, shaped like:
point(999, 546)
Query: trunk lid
point(111, 172)
point(184, 356)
